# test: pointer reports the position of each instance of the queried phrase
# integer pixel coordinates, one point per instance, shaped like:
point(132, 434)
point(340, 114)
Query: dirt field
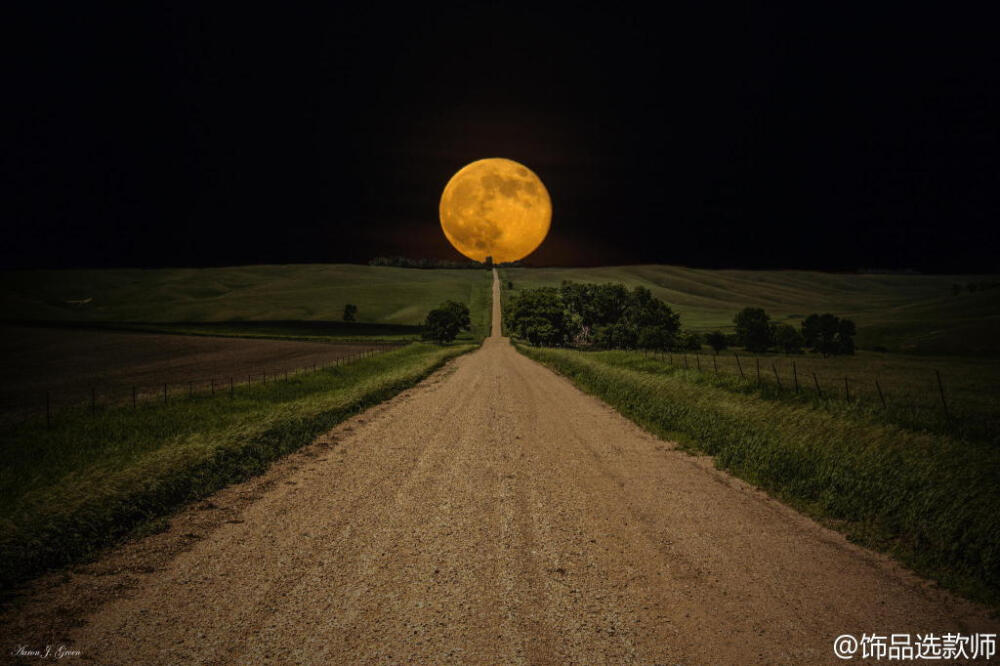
point(493, 514)
point(68, 363)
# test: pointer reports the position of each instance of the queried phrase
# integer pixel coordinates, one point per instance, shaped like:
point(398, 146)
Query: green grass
point(906, 313)
point(68, 490)
point(295, 301)
point(928, 498)
point(908, 384)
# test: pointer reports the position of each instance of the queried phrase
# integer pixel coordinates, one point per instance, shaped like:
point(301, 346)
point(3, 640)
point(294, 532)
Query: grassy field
point(296, 301)
point(929, 498)
point(908, 313)
point(92, 477)
point(908, 384)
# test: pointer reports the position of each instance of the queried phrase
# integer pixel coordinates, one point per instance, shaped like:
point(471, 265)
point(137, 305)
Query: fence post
point(776, 377)
point(715, 362)
point(880, 396)
point(757, 358)
point(164, 394)
point(697, 359)
point(48, 410)
point(686, 366)
point(133, 397)
point(213, 385)
point(819, 391)
point(93, 399)
point(671, 357)
point(190, 389)
point(264, 375)
point(847, 391)
point(740, 366)
point(944, 403)
point(232, 391)
point(795, 376)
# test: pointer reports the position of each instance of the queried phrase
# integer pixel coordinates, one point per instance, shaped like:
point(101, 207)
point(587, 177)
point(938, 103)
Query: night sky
point(744, 137)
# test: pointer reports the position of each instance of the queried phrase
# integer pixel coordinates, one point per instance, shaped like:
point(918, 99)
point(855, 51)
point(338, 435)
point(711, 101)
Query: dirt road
point(497, 514)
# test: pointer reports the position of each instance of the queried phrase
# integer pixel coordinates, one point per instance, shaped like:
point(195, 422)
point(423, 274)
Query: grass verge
point(928, 499)
point(69, 490)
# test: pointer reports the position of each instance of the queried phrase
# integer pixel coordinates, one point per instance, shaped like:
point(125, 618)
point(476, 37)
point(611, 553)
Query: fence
point(909, 388)
point(48, 403)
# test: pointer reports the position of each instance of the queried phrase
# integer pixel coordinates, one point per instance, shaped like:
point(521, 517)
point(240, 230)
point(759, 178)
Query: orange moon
point(496, 208)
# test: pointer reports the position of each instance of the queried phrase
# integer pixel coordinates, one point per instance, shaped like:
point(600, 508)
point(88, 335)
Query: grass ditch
point(926, 498)
point(92, 478)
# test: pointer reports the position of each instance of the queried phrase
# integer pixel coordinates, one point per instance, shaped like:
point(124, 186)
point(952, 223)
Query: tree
point(828, 334)
point(539, 316)
point(788, 338)
point(689, 341)
point(488, 262)
point(444, 322)
point(350, 312)
point(753, 329)
point(461, 312)
point(716, 340)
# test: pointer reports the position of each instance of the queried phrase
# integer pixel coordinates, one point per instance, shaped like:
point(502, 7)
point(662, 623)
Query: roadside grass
point(908, 384)
point(927, 498)
point(90, 479)
point(902, 313)
point(289, 296)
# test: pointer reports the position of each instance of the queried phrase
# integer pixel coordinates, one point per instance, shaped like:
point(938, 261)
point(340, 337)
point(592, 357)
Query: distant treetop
point(423, 262)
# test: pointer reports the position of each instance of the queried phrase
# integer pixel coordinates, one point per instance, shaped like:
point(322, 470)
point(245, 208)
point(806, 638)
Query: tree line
point(612, 316)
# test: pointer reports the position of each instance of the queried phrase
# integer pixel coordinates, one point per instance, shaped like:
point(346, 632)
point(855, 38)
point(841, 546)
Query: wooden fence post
point(213, 385)
point(48, 410)
point(686, 366)
point(232, 391)
point(697, 359)
point(776, 377)
point(880, 396)
point(847, 391)
point(944, 403)
point(133, 397)
point(93, 399)
point(795, 376)
point(715, 362)
point(757, 358)
point(740, 365)
point(819, 391)
point(164, 394)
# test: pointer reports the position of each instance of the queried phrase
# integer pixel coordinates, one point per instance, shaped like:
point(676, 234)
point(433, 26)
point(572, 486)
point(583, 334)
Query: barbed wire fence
point(49, 403)
point(926, 391)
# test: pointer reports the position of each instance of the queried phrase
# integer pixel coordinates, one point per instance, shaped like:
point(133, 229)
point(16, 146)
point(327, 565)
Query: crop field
point(906, 313)
point(304, 301)
point(77, 366)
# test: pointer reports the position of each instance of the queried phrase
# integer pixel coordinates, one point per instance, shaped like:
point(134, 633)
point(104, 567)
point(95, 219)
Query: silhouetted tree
point(788, 338)
point(828, 334)
point(716, 340)
point(350, 312)
point(753, 329)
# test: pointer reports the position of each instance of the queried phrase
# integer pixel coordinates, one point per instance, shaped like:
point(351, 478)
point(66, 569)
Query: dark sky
point(811, 138)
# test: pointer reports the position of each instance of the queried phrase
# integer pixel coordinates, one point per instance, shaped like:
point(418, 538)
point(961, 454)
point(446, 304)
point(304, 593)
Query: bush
point(828, 334)
point(350, 312)
point(788, 338)
point(689, 341)
point(717, 341)
point(753, 328)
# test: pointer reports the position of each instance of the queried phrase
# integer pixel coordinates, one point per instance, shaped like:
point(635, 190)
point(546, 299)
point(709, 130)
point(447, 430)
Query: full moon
point(495, 208)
